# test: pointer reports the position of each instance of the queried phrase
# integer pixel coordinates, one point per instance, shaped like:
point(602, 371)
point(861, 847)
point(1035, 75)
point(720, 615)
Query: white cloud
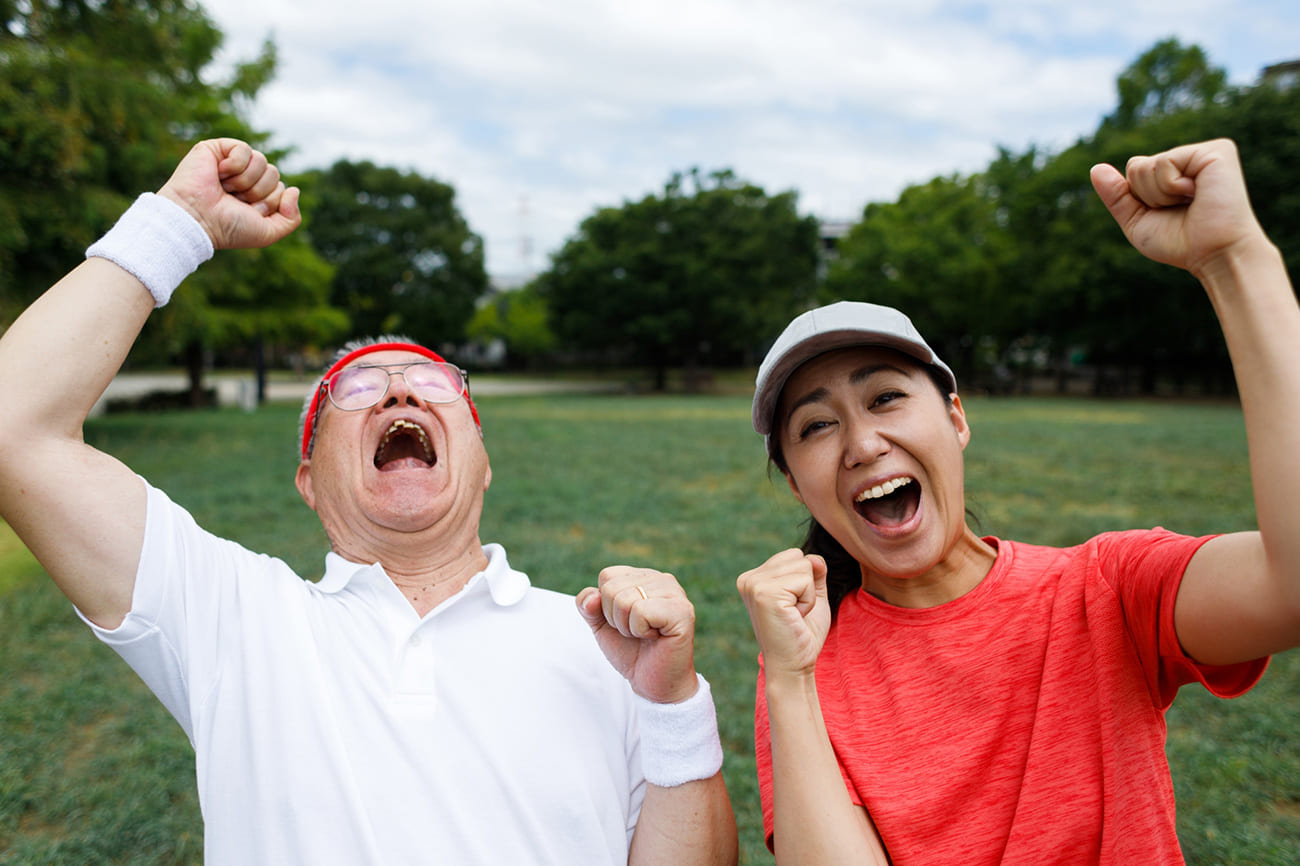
point(539, 113)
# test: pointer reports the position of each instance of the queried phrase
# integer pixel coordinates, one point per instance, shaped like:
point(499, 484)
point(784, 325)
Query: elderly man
point(421, 703)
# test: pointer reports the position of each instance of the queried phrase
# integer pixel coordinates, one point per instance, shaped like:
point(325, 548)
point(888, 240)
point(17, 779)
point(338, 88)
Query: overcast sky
point(538, 113)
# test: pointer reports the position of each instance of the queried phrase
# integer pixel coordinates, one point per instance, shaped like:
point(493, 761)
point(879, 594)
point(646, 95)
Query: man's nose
point(399, 391)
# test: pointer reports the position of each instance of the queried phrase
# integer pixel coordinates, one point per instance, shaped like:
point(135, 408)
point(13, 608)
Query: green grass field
point(92, 770)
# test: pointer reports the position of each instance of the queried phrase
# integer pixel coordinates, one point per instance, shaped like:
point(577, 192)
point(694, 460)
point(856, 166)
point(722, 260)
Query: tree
point(405, 259)
point(700, 274)
point(98, 102)
point(1167, 79)
point(272, 296)
point(1169, 96)
point(1265, 122)
point(1023, 255)
point(937, 254)
point(90, 98)
point(519, 319)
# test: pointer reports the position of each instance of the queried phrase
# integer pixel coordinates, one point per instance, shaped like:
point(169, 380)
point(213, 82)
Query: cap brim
point(769, 387)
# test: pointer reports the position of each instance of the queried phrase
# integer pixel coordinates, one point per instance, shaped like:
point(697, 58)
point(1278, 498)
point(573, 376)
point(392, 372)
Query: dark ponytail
point(843, 573)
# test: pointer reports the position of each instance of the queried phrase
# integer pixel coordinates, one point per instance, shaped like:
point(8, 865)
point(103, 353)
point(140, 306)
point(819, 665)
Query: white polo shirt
point(332, 725)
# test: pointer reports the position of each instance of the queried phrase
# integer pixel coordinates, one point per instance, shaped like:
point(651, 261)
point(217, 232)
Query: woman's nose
point(863, 442)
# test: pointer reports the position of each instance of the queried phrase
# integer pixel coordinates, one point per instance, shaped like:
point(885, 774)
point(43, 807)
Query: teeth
point(402, 425)
point(883, 489)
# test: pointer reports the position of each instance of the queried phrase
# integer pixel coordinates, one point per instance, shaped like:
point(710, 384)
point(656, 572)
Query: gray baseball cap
point(836, 326)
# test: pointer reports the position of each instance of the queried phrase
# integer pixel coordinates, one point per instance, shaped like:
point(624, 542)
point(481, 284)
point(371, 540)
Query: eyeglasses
point(360, 387)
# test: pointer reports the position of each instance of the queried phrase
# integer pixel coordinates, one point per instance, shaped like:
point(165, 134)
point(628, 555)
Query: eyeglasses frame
point(327, 385)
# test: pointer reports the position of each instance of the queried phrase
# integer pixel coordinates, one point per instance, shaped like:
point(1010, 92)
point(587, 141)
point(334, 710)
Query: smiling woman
point(929, 695)
point(879, 409)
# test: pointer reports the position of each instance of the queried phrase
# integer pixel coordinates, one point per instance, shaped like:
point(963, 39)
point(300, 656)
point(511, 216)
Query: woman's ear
point(794, 488)
point(958, 416)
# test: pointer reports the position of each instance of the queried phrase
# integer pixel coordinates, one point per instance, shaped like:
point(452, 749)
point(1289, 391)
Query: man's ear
point(302, 480)
point(487, 475)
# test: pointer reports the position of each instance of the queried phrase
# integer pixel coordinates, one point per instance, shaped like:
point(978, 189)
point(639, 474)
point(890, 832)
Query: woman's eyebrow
point(857, 377)
point(814, 396)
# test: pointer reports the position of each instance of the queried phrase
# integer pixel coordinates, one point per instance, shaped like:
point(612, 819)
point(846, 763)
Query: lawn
point(92, 770)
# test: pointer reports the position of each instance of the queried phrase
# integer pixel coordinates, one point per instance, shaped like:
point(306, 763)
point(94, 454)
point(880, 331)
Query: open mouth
point(404, 445)
point(892, 503)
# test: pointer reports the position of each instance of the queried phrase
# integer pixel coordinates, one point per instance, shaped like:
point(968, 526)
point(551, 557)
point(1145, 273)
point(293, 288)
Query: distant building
point(1283, 76)
point(830, 234)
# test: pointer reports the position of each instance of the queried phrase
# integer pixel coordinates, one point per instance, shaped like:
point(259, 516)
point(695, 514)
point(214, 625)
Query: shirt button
point(415, 640)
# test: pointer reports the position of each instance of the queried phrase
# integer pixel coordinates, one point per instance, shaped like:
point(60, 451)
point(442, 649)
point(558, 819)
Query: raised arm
point(1188, 207)
point(814, 821)
point(645, 625)
point(80, 511)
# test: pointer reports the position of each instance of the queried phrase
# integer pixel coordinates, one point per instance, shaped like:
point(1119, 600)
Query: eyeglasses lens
point(363, 387)
point(435, 383)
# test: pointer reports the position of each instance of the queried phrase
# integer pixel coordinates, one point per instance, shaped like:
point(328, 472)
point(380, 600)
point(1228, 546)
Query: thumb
point(819, 571)
point(289, 205)
point(588, 602)
point(1113, 190)
point(807, 600)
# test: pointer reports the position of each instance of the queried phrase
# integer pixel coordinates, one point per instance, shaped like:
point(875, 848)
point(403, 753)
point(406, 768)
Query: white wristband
point(158, 242)
point(679, 742)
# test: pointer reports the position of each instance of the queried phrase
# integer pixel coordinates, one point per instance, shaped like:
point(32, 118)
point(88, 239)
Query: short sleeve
point(1145, 570)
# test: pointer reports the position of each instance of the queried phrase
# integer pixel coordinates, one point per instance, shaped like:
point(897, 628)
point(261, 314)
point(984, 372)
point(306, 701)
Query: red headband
point(309, 423)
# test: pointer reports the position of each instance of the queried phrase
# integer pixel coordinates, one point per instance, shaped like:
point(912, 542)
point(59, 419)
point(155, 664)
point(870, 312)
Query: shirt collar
point(506, 585)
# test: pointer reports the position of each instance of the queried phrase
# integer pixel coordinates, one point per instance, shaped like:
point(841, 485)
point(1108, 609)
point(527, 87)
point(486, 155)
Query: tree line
point(1018, 269)
point(1014, 271)
point(99, 99)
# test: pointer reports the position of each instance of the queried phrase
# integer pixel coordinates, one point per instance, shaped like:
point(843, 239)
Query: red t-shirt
point(1022, 723)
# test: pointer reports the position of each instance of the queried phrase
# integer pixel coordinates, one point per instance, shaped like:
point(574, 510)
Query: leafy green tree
point(937, 254)
point(405, 259)
point(1133, 320)
point(92, 98)
point(1024, 256)
point(268, 297)
point(1265, 122)
point(1081, 293)
point(700, 274)
point(98, 102)
point(519, 319)
point(1167, 79)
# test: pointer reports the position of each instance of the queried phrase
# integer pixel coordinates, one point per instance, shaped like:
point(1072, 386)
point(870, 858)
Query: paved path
point(240, 391)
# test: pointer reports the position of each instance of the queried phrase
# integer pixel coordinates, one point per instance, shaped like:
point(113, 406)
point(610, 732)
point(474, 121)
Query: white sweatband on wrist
point(679, 742)
point(158, 242)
